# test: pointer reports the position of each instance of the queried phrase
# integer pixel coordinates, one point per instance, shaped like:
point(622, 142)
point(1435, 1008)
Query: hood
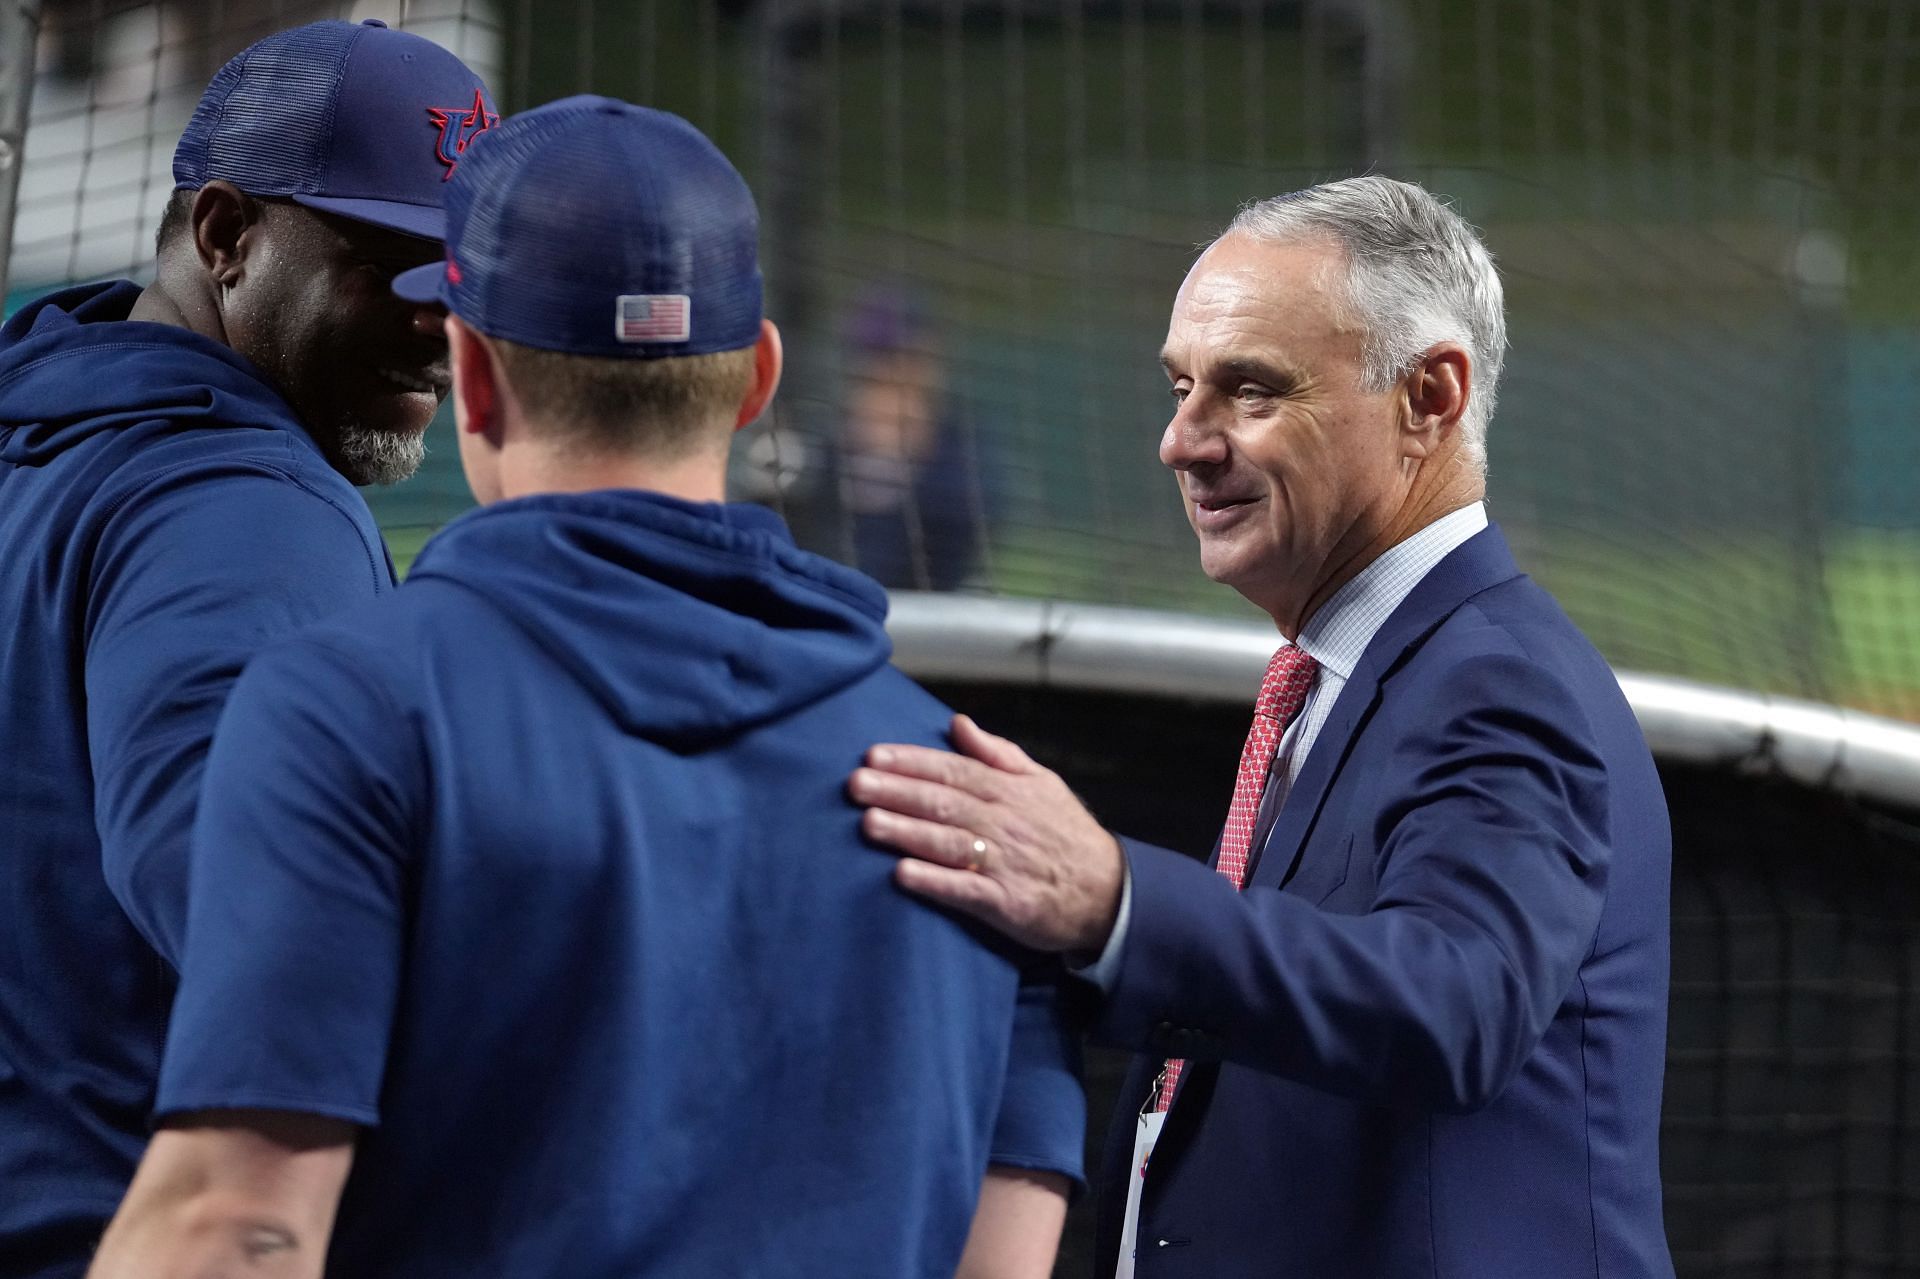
point(688, 621)
point(72, 365)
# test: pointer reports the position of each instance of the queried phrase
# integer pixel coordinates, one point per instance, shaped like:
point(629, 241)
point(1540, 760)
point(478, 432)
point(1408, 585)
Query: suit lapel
point(1280, 855)
point(1482, 561)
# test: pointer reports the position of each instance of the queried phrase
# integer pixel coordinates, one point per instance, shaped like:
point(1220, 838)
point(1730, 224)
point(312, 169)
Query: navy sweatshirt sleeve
point(192, 574)
point(1042, 1121)
point(308, 825)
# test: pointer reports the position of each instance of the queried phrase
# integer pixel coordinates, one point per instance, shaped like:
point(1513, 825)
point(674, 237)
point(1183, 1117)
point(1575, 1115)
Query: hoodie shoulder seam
point(264, 469)
point(357, 668)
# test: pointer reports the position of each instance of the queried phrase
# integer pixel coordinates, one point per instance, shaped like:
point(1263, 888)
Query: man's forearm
point(1016, 1228)
point(202, 1238)
point(234, 1195)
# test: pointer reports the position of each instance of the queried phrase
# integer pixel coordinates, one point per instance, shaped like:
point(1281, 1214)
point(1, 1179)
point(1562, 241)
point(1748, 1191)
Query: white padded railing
point(1043, 643)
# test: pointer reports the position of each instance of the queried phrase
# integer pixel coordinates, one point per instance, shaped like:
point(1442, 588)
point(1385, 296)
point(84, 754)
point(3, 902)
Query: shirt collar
point(1338, 633)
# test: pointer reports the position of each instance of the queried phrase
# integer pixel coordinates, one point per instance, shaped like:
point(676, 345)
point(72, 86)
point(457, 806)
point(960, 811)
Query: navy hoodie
point(162, 514)
point(545, 869)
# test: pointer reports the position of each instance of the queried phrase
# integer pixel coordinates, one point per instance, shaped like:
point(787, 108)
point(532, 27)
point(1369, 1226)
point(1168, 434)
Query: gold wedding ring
point(979, 851)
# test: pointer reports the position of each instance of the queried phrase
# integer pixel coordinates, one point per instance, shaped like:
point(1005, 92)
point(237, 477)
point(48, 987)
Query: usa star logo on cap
point(459, 126)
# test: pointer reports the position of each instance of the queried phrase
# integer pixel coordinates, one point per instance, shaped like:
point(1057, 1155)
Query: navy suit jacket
point(1428, 1038)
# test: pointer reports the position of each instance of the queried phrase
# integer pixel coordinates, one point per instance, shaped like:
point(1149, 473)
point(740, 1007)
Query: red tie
point(1282, 693)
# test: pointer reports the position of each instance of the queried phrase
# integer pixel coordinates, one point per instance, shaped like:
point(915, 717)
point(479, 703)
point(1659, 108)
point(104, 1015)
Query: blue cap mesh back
point(265, 121)
point(565, 208)
point(190, 155)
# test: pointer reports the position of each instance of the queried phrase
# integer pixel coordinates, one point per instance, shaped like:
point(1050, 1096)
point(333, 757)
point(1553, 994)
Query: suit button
point(1162, 1036)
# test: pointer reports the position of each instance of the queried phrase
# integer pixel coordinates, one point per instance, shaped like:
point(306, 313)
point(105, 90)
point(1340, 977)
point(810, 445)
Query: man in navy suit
point(1412, 1021)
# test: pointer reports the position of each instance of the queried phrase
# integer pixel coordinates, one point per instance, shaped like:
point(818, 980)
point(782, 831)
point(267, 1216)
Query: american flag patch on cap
point(653, 317)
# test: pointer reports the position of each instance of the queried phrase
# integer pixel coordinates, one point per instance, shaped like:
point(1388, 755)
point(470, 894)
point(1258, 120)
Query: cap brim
point(426, 221)
point(423, 283)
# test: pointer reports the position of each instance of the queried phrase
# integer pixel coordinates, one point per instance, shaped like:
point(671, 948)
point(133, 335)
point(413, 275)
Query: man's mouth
point(1216, 510)
point(432, 383)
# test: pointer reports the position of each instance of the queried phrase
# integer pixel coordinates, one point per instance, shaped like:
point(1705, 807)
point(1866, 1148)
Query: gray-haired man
point(1415, 1023)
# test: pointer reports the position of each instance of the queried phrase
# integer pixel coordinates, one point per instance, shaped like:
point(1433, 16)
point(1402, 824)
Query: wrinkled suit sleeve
point(1493, 867)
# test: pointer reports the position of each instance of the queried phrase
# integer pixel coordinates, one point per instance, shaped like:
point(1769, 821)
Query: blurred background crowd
point(976, 212)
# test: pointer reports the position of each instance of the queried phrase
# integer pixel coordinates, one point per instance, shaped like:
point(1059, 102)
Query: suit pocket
point(1322, 872)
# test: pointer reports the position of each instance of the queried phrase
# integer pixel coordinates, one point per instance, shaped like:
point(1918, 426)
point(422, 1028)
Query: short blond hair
point(666, 407)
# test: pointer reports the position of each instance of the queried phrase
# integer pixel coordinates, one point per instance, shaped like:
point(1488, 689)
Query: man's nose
point(1192, 438)
point(430, 321)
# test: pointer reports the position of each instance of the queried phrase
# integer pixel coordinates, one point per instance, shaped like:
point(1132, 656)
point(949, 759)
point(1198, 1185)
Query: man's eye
point(1179, 393)
point(1251, 394)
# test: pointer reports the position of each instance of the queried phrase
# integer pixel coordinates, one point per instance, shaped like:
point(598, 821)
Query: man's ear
point(1437, 391)
point(222, 215)
point(768, 359)
point(477, 390)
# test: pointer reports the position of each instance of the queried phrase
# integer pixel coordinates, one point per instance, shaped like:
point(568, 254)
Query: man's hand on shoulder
point(992, 834)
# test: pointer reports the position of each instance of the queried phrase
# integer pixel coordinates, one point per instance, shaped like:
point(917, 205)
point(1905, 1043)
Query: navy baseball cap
point(350, 118)
point(591, 226)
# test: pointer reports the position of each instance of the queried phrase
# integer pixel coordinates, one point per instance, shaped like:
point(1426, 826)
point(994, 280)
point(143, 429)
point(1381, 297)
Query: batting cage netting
point(1789, 1144)
point(975, 213)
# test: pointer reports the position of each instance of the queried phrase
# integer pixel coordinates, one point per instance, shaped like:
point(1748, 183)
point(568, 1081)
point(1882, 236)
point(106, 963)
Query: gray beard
point(378, 457)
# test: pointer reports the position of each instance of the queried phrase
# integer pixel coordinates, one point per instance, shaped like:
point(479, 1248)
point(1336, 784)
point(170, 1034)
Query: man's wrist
point(1106, 902)
point(1102, 967)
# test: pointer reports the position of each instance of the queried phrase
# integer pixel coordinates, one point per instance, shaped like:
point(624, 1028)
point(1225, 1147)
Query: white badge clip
point(1146, 1134)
